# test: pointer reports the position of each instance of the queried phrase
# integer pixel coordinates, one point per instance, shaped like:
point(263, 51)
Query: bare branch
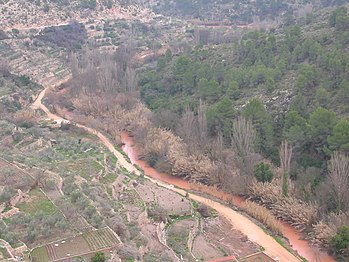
point(243, 136)
point(338, 179)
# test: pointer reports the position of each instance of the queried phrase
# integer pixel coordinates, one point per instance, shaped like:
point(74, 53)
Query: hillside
point(239, 12)
point(294, 70)
point(139, 129)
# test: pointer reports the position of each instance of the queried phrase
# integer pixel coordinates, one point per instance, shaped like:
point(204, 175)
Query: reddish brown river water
point(303, 248)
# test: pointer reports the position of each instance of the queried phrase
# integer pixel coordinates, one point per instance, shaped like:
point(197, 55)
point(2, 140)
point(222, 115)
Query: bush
point(340, 242)
point(98, 257)
point(157, 213)
point(262, 173)
point(7, 194)
point(203, 210)
point(119, 227)
point(50, 184)
point(152, 158)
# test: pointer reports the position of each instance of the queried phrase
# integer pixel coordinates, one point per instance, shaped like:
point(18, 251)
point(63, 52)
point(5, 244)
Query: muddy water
point(312, 254)
point(130, 150)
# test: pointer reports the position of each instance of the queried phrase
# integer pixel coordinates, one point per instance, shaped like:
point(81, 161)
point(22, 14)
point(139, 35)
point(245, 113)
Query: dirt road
point(238, 221)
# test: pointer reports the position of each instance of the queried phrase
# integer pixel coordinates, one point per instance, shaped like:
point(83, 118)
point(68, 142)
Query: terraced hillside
point(82, 244)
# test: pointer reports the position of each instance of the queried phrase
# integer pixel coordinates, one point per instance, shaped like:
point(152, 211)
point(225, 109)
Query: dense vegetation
point(265, 64)
point(71, 36)
point(292, 84)
point(236, 11)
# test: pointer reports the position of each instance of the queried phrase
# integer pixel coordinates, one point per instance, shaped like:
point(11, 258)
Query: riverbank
point(238, 221)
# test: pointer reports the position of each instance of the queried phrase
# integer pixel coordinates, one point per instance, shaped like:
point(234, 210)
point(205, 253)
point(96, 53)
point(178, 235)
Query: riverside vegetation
point(262, 114)
point(217, 112)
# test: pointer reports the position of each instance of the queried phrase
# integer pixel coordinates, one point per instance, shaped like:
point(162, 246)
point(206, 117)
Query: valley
point(176, 131)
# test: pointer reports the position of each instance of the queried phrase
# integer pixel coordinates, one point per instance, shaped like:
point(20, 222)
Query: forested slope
point(245, 11)
point(299, 71)
point(288, 86)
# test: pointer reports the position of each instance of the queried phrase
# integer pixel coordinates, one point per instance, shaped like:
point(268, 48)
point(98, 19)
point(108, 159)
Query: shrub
point(152, 158)
point(50, 184)
point(119, 227)
point(340, 242)
point(203, 210)
point(262, 173)
point(7, 194)
point(15, 31)
point(98, 257)
point(157, 213)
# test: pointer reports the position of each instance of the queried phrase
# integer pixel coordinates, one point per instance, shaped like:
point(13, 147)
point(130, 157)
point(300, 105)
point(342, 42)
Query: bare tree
point(74, 64)
point(243, 136)
point(187, 124)
point(130, 77)
point(285, 153)
point(216, 147)
point(106, 75)
point(202, 121)
point(201, 36)
point(4, 67)
point(89, 79)
point(338, 179)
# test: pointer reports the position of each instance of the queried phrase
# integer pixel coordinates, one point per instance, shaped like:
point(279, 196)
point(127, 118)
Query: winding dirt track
point(238, 221)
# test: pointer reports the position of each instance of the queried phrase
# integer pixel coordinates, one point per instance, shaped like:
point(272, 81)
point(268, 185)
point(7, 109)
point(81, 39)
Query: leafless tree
point(202, 121)
point(285, 154)
point(130, 77)
point(4, 67)
point(89, 79)
point(201, 36)
point(243, 136)
point(338, 179)
point(187, 124)
point(216, 147)
point(74, 64)
point(106, 76)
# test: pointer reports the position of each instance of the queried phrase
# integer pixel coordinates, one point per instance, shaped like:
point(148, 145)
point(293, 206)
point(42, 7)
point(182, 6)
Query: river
point(312, 254)
point(240, 222)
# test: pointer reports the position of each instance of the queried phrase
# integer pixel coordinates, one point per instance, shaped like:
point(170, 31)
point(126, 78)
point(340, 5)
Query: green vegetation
point(340, 243)
point(309, 67)
point(39, 203)
point(263, 173)
point(40, 254)
point(98, 257)
point(178, 237)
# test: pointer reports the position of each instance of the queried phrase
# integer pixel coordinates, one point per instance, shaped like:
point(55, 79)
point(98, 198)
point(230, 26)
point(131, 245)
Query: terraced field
point(79, 245)
point(100, 239)
point(43, 65)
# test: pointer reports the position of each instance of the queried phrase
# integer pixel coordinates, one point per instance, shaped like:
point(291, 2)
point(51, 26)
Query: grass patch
point(4, 253)
point(174, 218)
point(108, 179)
point(6, 220)
point(109, 191)
point(177, 240)
point(40, 254)
point(123, 154)
point(6, 209)
point(38, 202)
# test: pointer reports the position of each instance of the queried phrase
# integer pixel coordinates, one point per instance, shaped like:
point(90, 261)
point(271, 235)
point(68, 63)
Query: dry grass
point(263, 215)
point(211, 190)
point(294, 211)
point(325, 229)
